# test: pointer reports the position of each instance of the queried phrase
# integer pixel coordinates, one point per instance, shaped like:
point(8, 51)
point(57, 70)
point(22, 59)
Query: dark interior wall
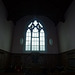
point(18, 57)
point(38, 60)
point(20, 29)
point(66, 33)
point(6, 28)
point(35, 62)
point(4, 60)
point(68, 60)
point(52, 63)
point(47, 60)
point(66, 30)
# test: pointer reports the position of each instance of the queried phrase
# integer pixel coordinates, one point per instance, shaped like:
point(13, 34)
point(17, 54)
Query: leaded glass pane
point(30, 24)
point(35, 30)
point(35, 34)
point(27, 42)
point(35, 23)
point(27, 47)
point(28, 38)
point(42, 47)
point(42, 33)
point(42, 38)
point(36, 42)
point(35, 47)
point(28, 32)
point(40, 25)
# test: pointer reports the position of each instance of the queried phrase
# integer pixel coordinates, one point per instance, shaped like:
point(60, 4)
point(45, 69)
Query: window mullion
point(31, 41)
point(39, 40)
point(36, 37)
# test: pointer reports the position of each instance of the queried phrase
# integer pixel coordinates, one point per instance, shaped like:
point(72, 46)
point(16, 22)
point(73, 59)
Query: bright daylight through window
point(35, 37)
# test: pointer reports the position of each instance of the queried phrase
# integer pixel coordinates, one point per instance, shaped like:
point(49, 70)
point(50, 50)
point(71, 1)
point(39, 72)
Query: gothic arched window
point(35, 37)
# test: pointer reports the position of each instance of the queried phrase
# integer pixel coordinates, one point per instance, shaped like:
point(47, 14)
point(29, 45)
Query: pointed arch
point(35, 37)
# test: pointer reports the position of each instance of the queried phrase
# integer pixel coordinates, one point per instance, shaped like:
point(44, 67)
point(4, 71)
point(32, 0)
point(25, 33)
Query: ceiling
point(53, 9)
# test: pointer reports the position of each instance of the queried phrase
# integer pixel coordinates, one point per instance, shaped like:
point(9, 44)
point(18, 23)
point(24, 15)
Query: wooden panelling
point(44, 63)
point(68, 60)
point(29, 61)
point(4, 57)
